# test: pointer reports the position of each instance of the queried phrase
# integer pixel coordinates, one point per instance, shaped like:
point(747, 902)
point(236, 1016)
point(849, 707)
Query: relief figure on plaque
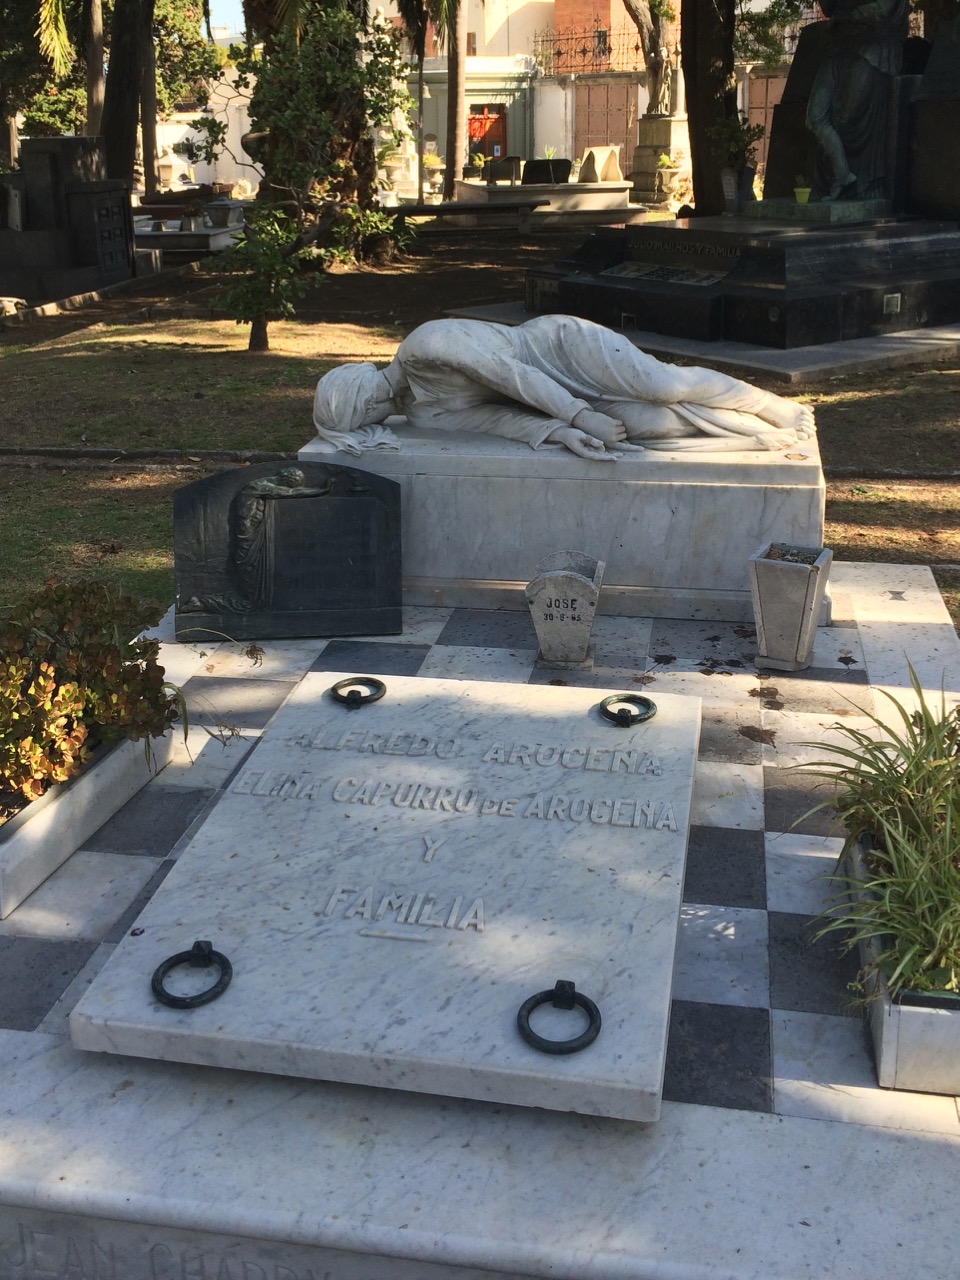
point(848, 104)
point(555, 379)
point(252, 536)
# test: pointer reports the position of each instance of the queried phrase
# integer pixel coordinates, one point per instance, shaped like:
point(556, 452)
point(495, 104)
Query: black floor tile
point(36, 972)
point(837, 673)
point(152, 822)
point(490, 629)
point(807, 976)
point(726, 868)
point(789, 796)
point(372, 658)
point(719, 1055)
point(241, 704)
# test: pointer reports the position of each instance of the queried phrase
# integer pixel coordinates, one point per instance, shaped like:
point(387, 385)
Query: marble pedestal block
point(676, 530)
point(391, 883)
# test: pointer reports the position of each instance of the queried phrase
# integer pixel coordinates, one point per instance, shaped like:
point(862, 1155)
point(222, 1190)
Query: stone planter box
point(916, 1038)
point(787, 599)
point(44, 834)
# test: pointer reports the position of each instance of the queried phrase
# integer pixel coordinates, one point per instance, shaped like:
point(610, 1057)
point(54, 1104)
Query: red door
point(487, 130)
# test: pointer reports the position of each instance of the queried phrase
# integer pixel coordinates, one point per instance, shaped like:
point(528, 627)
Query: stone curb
point(94, 453)
point(77, 301)
point(54, 453)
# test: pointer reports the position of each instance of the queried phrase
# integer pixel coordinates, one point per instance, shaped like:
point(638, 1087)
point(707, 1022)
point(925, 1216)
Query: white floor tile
point(837, 647)
point(823, 1070)
point(262, 659)
point(932, 649)
point(721, 956)
point(801, 737)
point(798, 871)
point(203, 760)
point(82, 898)
point(890, 592)
point(728, 795)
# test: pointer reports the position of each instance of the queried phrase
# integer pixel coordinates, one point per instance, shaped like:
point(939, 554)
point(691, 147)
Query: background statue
point(848, 104)
point(554, 379)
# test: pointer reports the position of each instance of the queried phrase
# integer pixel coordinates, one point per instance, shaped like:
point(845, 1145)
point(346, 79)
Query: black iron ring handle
point(201, 955)
point(646, 709)
point(563, 996)
point(346, 691)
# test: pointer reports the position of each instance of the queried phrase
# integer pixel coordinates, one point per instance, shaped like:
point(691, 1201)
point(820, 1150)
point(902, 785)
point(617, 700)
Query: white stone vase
point(916, 1038)
point(41, 837)
point(787, 598)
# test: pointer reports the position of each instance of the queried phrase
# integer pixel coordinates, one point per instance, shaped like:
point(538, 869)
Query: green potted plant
point(733, 141)
point(433, 168)
point(192, 217)
point(898, 795)
point(668, 171)
point(801, 189)
point(76, 678)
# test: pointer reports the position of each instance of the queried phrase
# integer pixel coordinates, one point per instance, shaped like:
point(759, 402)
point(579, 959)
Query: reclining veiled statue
point(555, 379)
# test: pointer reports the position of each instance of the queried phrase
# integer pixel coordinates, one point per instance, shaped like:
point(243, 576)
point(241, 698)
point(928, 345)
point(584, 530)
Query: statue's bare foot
point(788, 415)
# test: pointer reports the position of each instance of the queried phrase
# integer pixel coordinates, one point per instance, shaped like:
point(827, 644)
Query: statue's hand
point(579, 442)
point(609, 430)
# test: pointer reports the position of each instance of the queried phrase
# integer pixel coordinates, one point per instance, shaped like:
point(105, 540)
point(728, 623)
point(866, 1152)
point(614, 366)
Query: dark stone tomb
point(64, 227)
point(782, 274)
point(773, 284)
point(271, 551)
point(933, 185)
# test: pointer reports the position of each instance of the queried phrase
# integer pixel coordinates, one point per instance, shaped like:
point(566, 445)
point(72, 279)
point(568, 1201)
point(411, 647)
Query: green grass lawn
point(190, 385)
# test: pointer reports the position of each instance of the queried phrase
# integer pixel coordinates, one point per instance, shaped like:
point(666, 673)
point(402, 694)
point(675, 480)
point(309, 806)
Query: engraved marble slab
point(391, 883)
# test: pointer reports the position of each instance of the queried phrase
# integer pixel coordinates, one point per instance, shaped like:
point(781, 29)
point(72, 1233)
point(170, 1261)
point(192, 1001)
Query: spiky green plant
point(899, 797)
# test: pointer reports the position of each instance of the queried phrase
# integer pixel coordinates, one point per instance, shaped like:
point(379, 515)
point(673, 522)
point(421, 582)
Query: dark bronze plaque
point(277, 551)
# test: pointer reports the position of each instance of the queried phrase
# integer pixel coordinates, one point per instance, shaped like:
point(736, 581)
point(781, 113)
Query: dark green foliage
point(264, 271)
point(186, 64)
point(761, 33)
point(733, 141)
point(314, 98)
point(71, 677)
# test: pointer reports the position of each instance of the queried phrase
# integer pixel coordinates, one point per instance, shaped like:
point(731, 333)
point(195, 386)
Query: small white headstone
point(563, 598)
point(391, 883)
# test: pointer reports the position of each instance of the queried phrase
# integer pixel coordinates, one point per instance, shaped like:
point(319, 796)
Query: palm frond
point(52, 33)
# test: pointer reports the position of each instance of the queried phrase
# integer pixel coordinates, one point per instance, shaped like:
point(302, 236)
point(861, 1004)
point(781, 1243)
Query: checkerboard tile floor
point(761, 1017)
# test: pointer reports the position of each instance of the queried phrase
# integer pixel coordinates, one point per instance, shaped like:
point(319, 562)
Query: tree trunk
point(707, 59)
point(121, 98)
point(148, 114)
point(9, 146)
point(455, 151)
point(420, 131)
point(934, 12)
point(259, 341)
point(93, 57)
point(649, 26)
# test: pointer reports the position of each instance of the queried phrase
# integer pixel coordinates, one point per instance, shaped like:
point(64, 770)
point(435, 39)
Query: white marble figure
point(554, 379)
